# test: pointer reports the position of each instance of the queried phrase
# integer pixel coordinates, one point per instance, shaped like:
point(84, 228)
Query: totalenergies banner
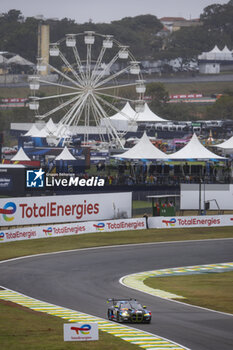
point(190, 221)
point(70, 208)
point(79, 228)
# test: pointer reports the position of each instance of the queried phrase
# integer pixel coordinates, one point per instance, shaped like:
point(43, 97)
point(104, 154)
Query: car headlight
point(125, 313)
point(148, 314)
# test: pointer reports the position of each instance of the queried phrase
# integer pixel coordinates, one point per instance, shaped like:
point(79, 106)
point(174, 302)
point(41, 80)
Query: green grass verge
point(210, 290)
point(25, 329)
point(205, 88)
point(47, 245)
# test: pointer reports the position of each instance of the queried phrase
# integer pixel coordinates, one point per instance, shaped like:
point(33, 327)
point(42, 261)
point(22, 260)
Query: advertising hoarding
point(72, 208)
point(190, 221)
point(49, 231)
point(81, 331)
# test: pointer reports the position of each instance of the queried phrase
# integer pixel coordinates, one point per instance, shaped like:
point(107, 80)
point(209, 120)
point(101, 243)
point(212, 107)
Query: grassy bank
point(206, 88)
point(25, 329)
point(210, 290)
point(47, 245)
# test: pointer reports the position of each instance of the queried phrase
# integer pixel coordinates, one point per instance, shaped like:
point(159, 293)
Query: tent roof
point(144, 149)
point(227, 145)
point(215, 50)
point(42, 133)
point(65, 155)
point(19, 60)
point(50, 126)
point(33, 131)
point(148, 116)
point(194, 150)
point(20, 155)
point(226, 50)
point(126, 113)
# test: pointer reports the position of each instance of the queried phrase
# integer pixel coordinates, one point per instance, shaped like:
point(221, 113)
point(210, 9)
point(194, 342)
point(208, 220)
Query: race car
point(128, 310)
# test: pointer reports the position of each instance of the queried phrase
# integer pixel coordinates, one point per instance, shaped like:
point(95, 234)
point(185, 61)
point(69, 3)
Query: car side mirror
point(116, 306)
point(144, 307)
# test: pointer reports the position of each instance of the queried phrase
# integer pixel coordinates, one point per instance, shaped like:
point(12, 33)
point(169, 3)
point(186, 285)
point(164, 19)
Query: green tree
point(222, 108)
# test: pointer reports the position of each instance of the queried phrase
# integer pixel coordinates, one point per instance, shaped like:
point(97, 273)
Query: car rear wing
point(114, 300)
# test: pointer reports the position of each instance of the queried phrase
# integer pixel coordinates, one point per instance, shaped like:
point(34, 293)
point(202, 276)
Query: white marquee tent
point(20, 156)
point(17, 59)
point(65, 155)
point(217, 54)
point(148, 116)
point(227, 145)
point(50, 126)
point(33, 131)
point(144, 149)
point(194, 150)
point(123, 120)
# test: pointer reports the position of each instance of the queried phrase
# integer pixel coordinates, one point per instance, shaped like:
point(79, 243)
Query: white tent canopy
point(127, 113)
point(124, 120)
point(17, 59)
point(50, 126)
point(32, 132)
point(20, 156)
point(194, 150)
point(216, 54)
point(144, 149)
point(227, 145)
point(148, 116)
point(42, 133)
point(65, 155)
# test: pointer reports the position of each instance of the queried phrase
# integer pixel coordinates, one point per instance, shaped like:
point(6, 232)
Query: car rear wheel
point(109, 315)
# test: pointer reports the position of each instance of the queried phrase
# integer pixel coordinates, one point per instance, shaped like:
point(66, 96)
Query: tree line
point(19, 34)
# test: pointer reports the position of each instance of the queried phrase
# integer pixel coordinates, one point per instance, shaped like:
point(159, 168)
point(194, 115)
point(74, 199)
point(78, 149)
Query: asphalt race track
point(84, 279)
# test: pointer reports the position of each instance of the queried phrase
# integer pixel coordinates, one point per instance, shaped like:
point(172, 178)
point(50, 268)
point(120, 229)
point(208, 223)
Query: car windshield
point(130, 305)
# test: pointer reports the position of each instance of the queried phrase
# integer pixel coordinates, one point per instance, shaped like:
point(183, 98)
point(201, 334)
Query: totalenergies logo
point(171, 222)
point(2, 235)
point(49, 231)
point(8, 209)
point(84, 329)
point(100, 226)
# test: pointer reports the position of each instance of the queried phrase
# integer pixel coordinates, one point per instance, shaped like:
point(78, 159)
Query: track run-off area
point(75, 284)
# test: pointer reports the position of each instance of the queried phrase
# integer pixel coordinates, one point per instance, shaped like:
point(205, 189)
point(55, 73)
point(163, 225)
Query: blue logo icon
point(2, 235)
point(35, 178)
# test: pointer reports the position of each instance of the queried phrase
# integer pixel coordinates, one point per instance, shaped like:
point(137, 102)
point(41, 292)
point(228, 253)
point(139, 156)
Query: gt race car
point(128, 310)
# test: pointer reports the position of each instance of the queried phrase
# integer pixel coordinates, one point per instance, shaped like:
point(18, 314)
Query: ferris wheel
point(93, 72)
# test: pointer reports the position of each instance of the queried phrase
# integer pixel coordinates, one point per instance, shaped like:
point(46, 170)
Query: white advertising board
point(190, 221)
point(81, 331)
point(54, 209)
point(79, 228)
point(193, 196)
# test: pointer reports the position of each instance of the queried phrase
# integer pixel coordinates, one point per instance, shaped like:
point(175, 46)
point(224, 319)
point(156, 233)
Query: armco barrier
point(190, 221)
point(76, 228)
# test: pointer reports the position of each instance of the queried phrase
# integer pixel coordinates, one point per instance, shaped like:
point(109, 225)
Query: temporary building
point(144, 149)
point(194, 150)
point(123, 120)
point(50, 126)
point(20, 156)
point(65, 155)
point(19, 60)
point(226, 146)
point(148, 116)
point(217, 55)
point(42, 133)
point(33, 131)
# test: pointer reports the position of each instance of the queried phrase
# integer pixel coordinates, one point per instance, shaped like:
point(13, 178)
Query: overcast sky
point(107, 10)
